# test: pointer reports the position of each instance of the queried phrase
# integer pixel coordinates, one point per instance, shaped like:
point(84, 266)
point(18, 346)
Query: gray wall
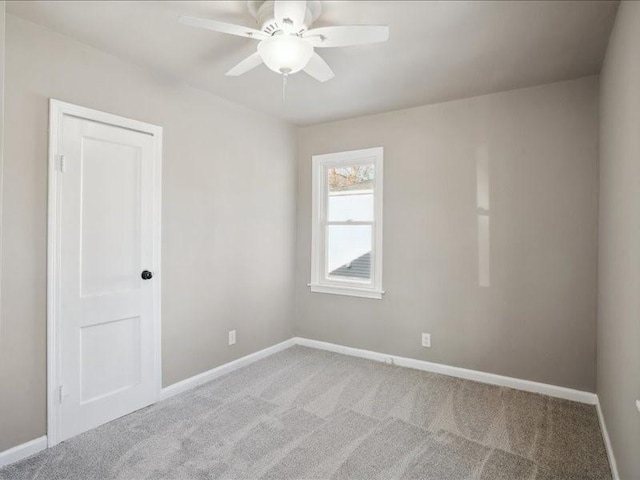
point(228, 216)
point(538, 319)
point(619, 248)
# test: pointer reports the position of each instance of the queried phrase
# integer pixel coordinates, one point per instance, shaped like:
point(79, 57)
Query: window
point(346, 249)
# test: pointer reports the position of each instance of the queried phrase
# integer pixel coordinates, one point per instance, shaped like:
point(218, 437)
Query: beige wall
point(619, 249)
point(228, 216)
point(537, 320)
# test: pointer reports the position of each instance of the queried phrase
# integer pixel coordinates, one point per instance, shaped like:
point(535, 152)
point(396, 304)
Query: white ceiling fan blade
point(251, 62)
point(348, 35)
point(319, 69)
point(223, 27)
point(290, 14)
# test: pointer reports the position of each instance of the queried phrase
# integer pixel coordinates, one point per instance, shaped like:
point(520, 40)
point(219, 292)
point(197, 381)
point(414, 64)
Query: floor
point(306, 413)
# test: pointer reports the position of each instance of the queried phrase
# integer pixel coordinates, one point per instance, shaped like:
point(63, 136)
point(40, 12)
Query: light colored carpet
point(306, 413)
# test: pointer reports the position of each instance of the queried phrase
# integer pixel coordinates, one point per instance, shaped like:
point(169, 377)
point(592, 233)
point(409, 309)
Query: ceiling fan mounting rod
point(264, 13)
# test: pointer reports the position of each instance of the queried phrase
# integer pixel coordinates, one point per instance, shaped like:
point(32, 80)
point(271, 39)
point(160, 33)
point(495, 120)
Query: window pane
point(349, 251)
point(350, 193)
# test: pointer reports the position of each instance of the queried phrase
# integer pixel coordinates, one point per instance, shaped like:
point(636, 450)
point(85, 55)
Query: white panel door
point(106, 321)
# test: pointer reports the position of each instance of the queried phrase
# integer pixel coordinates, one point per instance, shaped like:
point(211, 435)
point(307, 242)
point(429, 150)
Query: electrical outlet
point(638, 405)
point(232, 337)
point(426, 340)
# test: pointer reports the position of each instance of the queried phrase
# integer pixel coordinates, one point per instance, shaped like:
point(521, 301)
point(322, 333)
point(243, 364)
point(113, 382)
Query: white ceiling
point(437, 51)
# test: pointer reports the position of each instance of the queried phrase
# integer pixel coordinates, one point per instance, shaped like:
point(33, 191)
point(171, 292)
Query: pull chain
point(284, 86)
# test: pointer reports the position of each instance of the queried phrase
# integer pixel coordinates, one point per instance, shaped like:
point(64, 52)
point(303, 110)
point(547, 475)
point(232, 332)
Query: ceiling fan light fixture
point(285, 54)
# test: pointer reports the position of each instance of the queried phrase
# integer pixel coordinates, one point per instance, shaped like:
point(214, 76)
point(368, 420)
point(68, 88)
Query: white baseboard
point(20, 452)
point(607, 443)
point(475, 375)
point(209, 375)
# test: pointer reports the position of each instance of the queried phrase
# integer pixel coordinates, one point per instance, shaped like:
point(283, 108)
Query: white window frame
point(320, 282)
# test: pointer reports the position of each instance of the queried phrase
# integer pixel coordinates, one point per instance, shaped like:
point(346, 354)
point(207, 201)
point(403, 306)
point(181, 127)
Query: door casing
point(57, 110)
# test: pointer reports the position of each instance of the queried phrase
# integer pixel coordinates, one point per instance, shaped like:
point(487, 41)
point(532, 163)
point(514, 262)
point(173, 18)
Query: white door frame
point(57, 110)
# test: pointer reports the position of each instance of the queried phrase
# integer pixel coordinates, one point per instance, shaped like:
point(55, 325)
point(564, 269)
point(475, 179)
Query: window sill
point(346, 290)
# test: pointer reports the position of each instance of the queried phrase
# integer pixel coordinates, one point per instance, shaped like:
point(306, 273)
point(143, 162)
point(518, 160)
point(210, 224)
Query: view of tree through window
point(354, 177)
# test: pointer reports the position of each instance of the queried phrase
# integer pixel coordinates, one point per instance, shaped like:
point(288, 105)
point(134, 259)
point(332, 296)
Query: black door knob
point(147, 275)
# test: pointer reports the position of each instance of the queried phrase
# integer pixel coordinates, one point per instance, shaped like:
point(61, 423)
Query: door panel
point(106, 321)
point(110, 236)
point(110, 358)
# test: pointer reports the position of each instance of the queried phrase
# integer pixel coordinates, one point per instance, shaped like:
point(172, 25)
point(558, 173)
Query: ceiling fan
point(286, 42)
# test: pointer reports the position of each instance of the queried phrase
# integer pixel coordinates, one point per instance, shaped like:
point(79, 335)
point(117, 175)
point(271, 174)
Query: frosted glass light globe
point(285, 54)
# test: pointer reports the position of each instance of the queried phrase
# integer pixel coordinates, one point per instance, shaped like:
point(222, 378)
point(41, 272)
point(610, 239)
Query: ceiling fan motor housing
point(263, 12)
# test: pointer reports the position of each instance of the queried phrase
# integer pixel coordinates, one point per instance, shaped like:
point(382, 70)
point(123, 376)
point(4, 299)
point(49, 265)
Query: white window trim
point(319, 282)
